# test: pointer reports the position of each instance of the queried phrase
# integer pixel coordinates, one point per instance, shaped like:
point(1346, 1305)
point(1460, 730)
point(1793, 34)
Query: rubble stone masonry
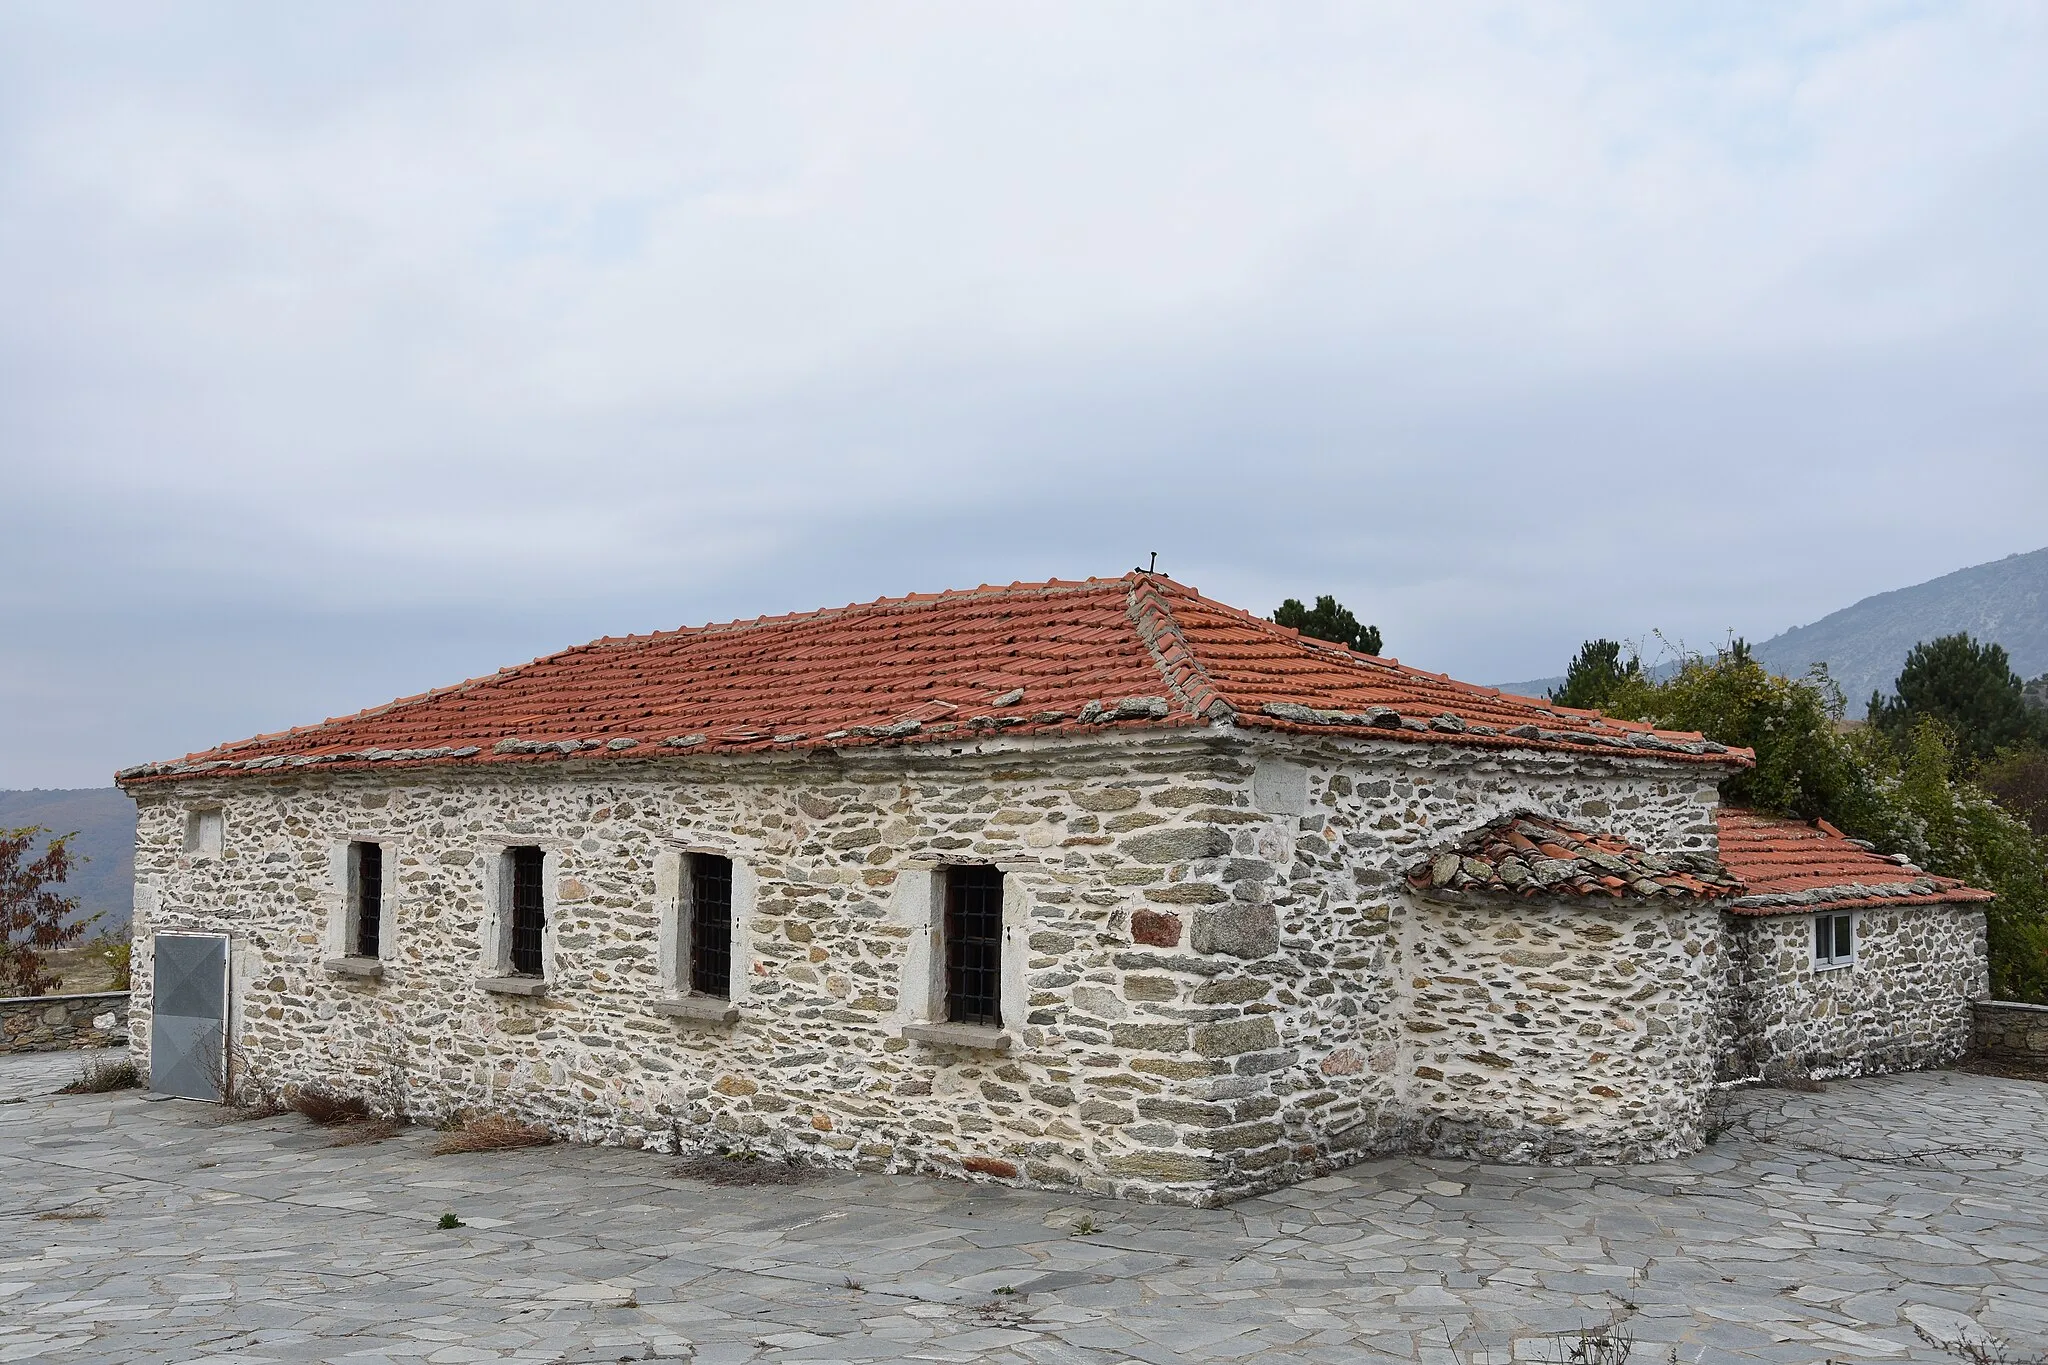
point(1902, 1005)
point(52, 1023)
point(1216, 979)
point(2008, 1031)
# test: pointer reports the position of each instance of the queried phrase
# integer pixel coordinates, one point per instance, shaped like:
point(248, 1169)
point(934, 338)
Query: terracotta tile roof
point(1532, 855)
point(1279, 679)
point(1788, 867)
point(1137, 652)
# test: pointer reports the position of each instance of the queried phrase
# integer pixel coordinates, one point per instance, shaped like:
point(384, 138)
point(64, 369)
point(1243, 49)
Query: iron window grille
point(529, 911)
point(711, 925)
point(369, 893)
point(974, 945)
point(1834, 939)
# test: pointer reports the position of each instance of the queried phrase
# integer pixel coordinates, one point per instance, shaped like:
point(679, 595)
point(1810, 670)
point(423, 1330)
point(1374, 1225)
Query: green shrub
point(1903, 789)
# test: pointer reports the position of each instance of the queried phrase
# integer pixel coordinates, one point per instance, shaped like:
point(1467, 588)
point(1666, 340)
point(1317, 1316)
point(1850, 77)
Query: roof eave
point(1406, 730)
point(1602, 900)
point(592, 755)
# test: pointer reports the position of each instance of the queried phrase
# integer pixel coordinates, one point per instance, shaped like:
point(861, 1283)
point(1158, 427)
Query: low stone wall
point(54, 1023)
point(2010, 1032)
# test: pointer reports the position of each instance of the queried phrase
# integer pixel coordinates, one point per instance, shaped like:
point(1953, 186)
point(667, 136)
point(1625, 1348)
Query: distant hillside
point(2004, 602)
point(1864, 646)
point(105, 822)
point(1543, 687)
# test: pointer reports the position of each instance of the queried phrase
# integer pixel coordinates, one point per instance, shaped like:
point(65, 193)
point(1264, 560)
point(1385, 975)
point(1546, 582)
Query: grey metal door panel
point(188, 1023)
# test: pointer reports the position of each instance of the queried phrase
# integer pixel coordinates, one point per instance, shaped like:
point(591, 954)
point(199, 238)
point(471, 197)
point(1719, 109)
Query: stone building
point(1093, 884)
point(1843, 962)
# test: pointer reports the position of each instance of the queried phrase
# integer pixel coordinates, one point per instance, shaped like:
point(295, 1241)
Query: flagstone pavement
point(1832, 1226)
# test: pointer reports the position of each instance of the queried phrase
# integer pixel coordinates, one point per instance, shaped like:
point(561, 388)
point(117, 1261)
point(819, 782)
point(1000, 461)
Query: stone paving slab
point(1820, 1227)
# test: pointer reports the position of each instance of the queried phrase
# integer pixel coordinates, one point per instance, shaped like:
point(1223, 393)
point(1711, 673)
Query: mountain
point(1543, 687)
point(1533, 687)
point(2004, 602)
point(105, 822)
point(1864, 646)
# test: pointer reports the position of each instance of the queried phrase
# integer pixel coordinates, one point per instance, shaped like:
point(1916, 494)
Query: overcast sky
point(344, 357)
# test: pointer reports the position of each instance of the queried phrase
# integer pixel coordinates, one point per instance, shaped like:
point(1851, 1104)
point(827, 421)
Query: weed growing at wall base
point(99, 1076)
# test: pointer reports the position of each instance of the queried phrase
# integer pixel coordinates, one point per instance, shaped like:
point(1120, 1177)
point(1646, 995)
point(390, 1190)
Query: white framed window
point(519, 911)
point(204, 829)
point(361, 927)
point(963, 974)
point(1834, 939)
point(707, 899)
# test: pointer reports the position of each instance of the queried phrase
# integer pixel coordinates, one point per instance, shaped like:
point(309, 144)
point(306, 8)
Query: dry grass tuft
point(492, 1133)
point(262, 1107)
point(741, 1166)
point(1981, 1350)
point(98, 1077)
point(1789, 1077)
point(356, 1135)
point(1610, 1345)
point(70, 1215)
point(324, 1106)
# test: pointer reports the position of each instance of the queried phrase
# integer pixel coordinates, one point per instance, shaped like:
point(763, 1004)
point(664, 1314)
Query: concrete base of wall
point(56, 1023)
point(2007, 1031)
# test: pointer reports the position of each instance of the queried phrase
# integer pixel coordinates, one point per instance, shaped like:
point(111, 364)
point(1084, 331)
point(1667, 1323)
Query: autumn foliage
point(32, 914)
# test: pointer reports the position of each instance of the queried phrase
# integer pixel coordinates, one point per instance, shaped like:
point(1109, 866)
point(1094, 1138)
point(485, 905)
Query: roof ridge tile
point(1151, 613)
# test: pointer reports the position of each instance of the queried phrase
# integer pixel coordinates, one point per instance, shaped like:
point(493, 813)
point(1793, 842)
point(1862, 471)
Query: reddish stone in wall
point(1344, 1062)
point(991, 1165)
point(1156, 927)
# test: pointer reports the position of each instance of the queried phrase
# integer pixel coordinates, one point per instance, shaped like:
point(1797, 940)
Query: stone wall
point(1560, 1031)
point(1351, 940)
point(2007, 1031)
point(53, 1023)
point(1199, 927)
point(1904, 1004)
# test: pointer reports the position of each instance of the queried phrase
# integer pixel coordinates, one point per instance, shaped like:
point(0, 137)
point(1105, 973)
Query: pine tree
point(1329, 620)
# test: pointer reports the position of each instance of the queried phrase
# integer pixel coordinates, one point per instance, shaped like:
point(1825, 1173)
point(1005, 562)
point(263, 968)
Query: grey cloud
point(346, 356)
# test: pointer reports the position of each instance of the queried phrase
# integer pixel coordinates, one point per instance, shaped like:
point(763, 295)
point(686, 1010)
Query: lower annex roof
point(1789, 867)
point(1140, 652)
point(1767, 865)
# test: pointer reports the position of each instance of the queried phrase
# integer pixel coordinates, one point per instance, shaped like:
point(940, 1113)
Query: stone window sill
point(976, 1037)
point(1819, 967)
point(369, 967)
point(707, 1011)
point(514, 985)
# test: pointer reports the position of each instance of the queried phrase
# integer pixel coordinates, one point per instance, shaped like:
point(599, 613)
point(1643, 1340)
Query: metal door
point(188, 1020)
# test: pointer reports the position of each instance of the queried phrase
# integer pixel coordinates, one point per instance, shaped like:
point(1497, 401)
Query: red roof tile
point(1533, 855)
point(1033, 658)
point(1789, 867)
